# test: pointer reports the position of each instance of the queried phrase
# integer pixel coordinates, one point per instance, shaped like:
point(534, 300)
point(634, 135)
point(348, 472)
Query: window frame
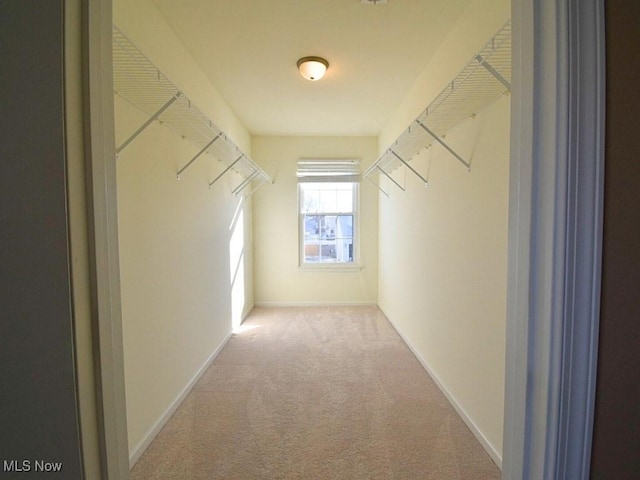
point(354, 213)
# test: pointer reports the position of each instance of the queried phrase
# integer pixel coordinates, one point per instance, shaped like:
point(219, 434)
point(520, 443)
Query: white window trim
point(344, 267)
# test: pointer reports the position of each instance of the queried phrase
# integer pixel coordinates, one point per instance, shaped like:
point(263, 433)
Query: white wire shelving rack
point(140, 83)
point(481, 82)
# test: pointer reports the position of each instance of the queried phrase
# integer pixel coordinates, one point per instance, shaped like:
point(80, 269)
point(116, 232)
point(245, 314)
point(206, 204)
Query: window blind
point(328, 171)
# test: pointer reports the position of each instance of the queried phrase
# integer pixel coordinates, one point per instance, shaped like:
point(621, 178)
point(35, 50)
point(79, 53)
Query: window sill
point(329, 267)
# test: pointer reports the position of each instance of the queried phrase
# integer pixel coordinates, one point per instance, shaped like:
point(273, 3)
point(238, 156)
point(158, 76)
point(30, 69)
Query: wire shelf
point(481, 82)
point(140, 83)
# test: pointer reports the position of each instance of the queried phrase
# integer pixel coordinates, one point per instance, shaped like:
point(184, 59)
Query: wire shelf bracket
point(494, 72)
point(384, 192)
point(229, 167)
point(485, 78)
point(146, 124)
point(445, 145)
point(245, 182)
point(406, 164)
point(138, 81)
point(204, 149)
point(390, 178)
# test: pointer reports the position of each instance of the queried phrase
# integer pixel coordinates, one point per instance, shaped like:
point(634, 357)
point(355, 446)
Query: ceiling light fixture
point(312, 68)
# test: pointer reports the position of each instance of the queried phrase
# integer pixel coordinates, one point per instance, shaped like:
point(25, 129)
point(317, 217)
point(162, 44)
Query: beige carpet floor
point(315, 393)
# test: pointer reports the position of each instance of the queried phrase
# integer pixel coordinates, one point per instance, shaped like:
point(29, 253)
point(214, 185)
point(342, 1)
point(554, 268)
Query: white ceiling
point(249, 49)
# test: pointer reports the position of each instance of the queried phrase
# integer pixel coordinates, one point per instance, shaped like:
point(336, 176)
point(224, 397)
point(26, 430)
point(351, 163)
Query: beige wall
point(176, 266)
point(278, 279)
point(185, 249)
point(443, 249)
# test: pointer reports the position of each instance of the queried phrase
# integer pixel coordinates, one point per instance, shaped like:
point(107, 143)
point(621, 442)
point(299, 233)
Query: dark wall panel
point(38, 414)
point(616, 441)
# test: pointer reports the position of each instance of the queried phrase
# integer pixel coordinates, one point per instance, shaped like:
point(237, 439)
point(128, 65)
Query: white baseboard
point(247, 311)
point(164, 418)
point(486, 444)
point(140, 448)
point(363, 303)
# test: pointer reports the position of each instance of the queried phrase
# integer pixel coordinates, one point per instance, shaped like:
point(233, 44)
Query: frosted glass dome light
point(312, 68)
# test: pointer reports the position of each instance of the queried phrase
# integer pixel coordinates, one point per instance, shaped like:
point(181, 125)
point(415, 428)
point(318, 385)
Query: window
point(328, 198)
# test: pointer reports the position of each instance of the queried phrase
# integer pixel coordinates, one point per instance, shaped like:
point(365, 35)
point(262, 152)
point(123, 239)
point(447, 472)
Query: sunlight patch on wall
point(236, 266)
